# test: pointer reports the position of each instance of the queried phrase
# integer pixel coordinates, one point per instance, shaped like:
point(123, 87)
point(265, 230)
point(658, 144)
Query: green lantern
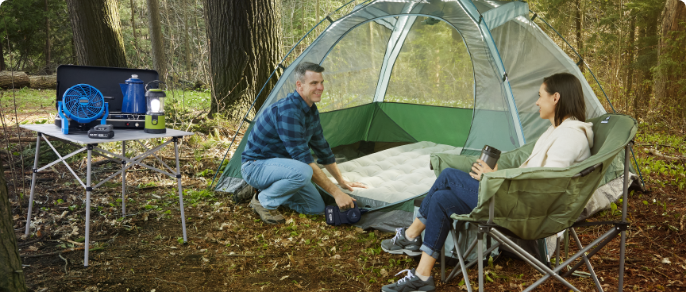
point(154, 117)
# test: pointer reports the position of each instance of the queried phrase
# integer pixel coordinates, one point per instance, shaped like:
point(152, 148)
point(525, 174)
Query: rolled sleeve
point(291, 132)
point(321, 148)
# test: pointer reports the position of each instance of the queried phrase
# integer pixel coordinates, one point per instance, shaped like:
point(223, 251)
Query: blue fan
point(83, 104)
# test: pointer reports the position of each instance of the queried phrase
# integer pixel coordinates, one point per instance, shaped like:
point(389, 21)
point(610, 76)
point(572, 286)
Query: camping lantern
point(154, 117)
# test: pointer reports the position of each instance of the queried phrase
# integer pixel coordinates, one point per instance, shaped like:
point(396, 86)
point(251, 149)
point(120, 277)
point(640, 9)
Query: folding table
point(91, 146)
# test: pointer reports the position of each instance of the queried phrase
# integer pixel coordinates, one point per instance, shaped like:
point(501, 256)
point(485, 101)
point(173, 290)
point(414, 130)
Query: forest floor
point(230, 249)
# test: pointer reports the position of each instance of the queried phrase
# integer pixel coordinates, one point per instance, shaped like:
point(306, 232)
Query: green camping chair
point(534, 203)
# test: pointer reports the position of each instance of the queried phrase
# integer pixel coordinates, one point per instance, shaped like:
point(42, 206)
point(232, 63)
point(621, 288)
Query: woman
point(567, 141)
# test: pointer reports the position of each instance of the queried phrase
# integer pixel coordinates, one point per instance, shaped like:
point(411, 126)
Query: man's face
point(311, 88)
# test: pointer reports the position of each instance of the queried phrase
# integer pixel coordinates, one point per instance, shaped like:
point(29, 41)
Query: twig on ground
point(659, 154)
point(65, 263)
point(50, 253)
point(184, 286)
point(25, 243)
point(681, 223)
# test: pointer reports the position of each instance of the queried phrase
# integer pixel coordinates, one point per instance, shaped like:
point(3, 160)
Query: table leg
point(33, 185)
point(178, 179)
point(88, 206)
point(123, 180)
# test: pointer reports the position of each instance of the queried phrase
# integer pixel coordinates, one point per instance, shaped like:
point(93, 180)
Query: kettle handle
point(154, 81)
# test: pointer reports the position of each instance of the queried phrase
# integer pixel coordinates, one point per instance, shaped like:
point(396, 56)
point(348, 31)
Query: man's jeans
point(454, 192)
point(286, 182)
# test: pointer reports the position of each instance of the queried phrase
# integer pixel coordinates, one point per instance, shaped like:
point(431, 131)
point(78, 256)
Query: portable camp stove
point(107, 80)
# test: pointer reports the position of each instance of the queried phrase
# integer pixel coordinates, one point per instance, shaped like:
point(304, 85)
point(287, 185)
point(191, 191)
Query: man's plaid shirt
point(288, 129)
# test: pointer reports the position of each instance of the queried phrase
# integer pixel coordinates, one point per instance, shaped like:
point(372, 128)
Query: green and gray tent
point(407, 78)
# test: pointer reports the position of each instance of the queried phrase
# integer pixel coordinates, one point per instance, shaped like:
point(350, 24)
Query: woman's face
point(546, 103)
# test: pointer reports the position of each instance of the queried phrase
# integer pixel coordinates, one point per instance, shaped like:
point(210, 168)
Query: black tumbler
point(490, 155)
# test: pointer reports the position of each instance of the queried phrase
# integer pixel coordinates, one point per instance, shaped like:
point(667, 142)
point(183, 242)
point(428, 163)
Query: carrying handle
point(155, 81)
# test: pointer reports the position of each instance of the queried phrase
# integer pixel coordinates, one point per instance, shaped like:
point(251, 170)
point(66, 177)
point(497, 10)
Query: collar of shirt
point(303, 105)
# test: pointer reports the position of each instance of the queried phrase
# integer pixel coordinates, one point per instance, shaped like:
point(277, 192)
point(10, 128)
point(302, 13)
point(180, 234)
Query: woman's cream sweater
point(563, 146)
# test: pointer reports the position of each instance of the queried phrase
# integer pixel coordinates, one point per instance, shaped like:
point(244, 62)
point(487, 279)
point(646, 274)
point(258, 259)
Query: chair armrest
point(441, 161)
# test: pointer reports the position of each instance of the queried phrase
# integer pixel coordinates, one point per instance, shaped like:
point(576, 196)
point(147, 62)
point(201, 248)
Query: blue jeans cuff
point(421, 218)
point(429, 251)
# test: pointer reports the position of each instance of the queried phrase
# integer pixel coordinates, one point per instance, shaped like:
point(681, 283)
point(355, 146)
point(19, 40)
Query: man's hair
point(571, 101)
point(304, 67)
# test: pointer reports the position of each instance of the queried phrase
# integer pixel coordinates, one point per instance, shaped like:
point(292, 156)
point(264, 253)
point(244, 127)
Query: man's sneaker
point(411, 282)
point(243, 195)
point(400, 244)
point(268, 216)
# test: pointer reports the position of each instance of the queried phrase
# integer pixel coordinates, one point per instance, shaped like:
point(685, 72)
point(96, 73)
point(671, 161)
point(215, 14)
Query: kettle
point(134, 96)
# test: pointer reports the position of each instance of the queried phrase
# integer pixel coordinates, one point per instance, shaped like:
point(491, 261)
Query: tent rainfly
point(407, 78)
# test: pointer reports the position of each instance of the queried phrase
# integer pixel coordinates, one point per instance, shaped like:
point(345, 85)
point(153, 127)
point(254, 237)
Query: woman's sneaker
point(411, 282)
point(399, 244)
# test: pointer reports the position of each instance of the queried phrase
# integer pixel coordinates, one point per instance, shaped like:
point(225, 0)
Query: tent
point(406, 78)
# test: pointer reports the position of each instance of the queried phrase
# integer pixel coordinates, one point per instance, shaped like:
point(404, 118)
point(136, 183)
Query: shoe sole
point(402, 251)
point(268, 222)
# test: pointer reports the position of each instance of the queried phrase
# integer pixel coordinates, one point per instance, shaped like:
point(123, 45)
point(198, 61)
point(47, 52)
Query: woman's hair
point(571, 101)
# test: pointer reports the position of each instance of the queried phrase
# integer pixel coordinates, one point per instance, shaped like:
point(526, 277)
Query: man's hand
point(343, 200)
point(480, 167)
point(350, 185)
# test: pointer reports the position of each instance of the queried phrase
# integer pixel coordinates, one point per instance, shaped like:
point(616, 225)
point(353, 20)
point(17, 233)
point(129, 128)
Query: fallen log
point(20, 79)
point(43, 82)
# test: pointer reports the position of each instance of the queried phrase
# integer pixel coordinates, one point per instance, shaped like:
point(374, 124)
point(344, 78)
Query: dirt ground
point(230, 249)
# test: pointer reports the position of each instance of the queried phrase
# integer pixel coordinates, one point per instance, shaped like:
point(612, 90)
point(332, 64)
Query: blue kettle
point(134, 96)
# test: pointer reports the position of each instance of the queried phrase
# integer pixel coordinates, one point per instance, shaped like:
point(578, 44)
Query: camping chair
point(534, 203)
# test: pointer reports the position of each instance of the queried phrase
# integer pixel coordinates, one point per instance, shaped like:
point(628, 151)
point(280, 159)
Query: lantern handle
point(154, 81)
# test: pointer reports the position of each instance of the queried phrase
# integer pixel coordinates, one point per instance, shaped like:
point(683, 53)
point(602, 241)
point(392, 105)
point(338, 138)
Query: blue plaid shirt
point(288, 129)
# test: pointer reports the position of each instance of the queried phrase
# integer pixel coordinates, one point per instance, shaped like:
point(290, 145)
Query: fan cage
point(83, 103)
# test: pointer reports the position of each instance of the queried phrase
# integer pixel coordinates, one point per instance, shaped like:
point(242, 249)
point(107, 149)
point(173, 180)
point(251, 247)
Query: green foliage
point(23, 23)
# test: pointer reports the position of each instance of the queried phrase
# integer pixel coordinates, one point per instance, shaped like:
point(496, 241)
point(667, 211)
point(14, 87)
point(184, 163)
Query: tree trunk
point(630, 61)
point(43, 82)
point(12, 275)
point(579, 35)
point(669, 85)
point(47, 39)
point(245, 47)
point(133, 25)
point(155, 27)
point(3, 66)
point(16, 79)
point(186, 39)
point(647, 58)
point(97, 33)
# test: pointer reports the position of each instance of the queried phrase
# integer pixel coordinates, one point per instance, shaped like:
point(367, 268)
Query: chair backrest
point(538, 202)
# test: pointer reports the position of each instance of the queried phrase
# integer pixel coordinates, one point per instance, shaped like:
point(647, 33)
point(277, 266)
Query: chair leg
point(443, 263)
point(557, 251)
point(531, 260)
point(587, 261)
point(460, 258)
point(480, 259)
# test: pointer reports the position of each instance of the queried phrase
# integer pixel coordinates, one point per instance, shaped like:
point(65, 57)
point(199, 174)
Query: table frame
point(126, 162)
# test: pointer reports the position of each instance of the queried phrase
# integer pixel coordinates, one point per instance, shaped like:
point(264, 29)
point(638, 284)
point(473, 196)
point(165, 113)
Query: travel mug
point(490, 155)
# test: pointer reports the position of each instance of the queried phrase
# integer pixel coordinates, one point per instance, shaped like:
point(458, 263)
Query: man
point(277, 158)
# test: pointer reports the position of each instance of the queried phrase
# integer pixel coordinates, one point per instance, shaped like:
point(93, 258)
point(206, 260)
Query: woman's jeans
point(284, 181)
point(454, 192)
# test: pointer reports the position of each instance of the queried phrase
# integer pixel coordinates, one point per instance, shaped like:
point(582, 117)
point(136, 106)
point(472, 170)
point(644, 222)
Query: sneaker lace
point(406, 278)
point(398, 234)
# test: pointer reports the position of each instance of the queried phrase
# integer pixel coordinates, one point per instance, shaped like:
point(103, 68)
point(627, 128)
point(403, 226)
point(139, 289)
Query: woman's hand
point(480, 167)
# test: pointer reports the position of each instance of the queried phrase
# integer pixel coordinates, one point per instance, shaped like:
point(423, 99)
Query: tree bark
point(3, 65)
point(647, 57)
point(630, 60)
point(668, 89)
point(579, 35)
point(12, 275)
point(186, 39)
point(7, 78)
point(47, 39)
point(43, 82)
point(245, 47)
point(155, 27)
point(97, 33)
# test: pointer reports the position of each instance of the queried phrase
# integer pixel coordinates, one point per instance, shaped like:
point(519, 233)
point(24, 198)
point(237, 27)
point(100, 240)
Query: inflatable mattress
point(393, 175)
